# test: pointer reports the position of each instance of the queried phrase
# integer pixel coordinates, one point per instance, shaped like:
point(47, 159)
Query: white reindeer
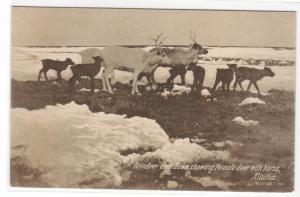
point(133, 59)
point(181, 58)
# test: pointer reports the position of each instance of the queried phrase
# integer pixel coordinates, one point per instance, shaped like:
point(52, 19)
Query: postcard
point(153, 99)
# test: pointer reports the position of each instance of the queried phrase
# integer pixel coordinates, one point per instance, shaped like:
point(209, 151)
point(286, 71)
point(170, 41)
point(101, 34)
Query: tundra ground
point(185, 116)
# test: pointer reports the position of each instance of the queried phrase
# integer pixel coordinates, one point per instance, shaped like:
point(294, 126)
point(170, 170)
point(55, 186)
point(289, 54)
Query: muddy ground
point(272, 141)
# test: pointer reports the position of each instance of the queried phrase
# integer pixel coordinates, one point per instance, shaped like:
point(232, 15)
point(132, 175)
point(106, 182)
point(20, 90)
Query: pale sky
point(98, 27)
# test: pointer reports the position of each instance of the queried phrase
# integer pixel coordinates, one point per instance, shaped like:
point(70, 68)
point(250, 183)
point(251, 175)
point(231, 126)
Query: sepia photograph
point(152, 99)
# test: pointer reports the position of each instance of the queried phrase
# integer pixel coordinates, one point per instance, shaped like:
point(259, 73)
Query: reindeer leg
point(39, 77)
point(45, 73)
point(104, 89)
point(92, 84)
point(113, 79)
point(235, 83)
point(256, 86)
point(223, 88)
point(182, 75)
point(58, 75)
point(134, 84)
point(240, 84)
point(250, 83)
point(216, 83)
point(106, 74)
point(228, 88)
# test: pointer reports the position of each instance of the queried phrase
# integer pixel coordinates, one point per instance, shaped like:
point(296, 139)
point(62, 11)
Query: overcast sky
point(96, 27)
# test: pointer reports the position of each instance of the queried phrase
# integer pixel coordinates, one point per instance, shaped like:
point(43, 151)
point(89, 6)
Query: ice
point(252, 100)
point(239, 120)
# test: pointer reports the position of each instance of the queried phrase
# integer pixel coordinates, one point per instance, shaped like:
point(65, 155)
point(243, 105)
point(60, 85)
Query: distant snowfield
point(26, 65)
point(71, 145)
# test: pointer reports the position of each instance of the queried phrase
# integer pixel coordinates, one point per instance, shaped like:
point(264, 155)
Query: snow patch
point(179, 90)
point(252, 100)
point(182, 150)
point(87, 90)
point(219, 144)
point(165, 94)
point(240, 121)
point(209, 181)
point(205, 93)
point(71, 145)
point(262, 93)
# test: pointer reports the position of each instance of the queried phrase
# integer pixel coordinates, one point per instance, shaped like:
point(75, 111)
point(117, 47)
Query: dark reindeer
point(225, 76)
point(199, 74)
point(253, 75)
point(59, 66)
point(89, 70)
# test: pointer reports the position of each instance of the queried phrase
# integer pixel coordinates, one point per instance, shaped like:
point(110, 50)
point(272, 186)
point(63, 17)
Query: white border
point(5, 15)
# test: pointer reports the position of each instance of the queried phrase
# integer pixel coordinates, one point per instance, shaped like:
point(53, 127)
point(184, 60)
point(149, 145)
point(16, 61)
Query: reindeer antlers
point(193, 38)
point(157, 38)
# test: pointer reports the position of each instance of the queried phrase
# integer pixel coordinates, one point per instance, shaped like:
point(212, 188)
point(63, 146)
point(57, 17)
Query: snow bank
point(71, 145)
point(252, 100)
point(182, 150)
point(240, 121)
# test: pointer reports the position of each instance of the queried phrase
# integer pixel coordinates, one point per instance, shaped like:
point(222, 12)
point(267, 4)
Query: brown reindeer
point(199, 74)
point(59, 66)
point(225, 76)
point(253, 75)
point(89, 70)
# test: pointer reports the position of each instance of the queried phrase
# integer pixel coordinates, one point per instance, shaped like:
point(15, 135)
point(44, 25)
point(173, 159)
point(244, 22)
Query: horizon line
point(145, 45)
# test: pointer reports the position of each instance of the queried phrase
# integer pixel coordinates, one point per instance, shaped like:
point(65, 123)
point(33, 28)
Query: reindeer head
point(156, 57)
point(98, 59)
point(196, 46)
point(232, 66)
point(69, 61)
point(269, 72)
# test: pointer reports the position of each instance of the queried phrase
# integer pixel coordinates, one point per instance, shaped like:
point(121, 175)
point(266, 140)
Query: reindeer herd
point(143, 63)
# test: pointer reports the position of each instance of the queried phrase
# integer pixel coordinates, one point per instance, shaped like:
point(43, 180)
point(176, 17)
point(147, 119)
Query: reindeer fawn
point(59, 66)
point(253, 75)
point(225, 76)
point(199, 74)
point(89, 70)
